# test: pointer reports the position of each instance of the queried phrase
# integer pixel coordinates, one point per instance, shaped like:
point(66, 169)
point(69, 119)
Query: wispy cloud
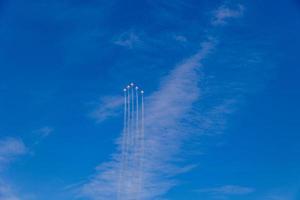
point(6, 192)
point(10, 148)
point(224, 13)
point(164, 128)
point(108, 107)
point(278, 197)
point(229, 190)
point(127, 39)
point(284, 193)
point(180, 38)
point(42, 133)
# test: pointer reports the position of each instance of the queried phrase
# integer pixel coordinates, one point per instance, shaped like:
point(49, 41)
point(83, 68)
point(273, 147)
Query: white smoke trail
point(132, 146)
point(141, 150)
point(127, 159)
point(123, 147)
point(137, 139)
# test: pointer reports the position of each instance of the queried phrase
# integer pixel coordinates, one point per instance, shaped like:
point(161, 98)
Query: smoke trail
point(136, 141)
point(136, 117)
point(132, 146)
point(123, 147)
point(127, 159)
point(132, 133)
point(141, 149)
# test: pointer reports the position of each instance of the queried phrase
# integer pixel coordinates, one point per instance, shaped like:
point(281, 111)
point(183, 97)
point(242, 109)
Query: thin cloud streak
point(128, 39)
point(6, 193)
point(10, 149)
point(224, 13)
point(108, 107)
point(163, 128)
point(42, 133)
point(229, 190)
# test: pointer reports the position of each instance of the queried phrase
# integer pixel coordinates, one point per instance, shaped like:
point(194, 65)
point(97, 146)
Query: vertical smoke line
point(131, 144)
point(127, 148)
point(123, 147)
point(137, 118)
point(141, 150)
point(142, 141)
point(130, 183)
point(137, 144)
point(133, 118)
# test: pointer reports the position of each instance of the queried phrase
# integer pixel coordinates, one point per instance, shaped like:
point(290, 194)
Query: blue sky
point(221, 85)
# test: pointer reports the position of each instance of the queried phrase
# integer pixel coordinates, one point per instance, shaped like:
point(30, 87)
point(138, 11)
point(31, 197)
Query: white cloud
point(44, 131)
point(289, 193)
point(180, 38)
point(108, 107)
point(127, 39)
point(229, 190)
point(6, 193)
point(278, 197)
point(223, 13)
point(10, 148)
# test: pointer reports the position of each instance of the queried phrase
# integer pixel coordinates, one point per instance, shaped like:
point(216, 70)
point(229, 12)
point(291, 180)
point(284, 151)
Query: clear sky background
point(64, 63)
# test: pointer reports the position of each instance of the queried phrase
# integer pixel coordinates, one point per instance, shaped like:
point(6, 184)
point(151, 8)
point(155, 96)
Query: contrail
point(141, 150)
point(136, 115)
point(132, 118)
point(132, 145)
point(132, 136)
point(123, 146)
point(136, 138)
point(124, 184)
